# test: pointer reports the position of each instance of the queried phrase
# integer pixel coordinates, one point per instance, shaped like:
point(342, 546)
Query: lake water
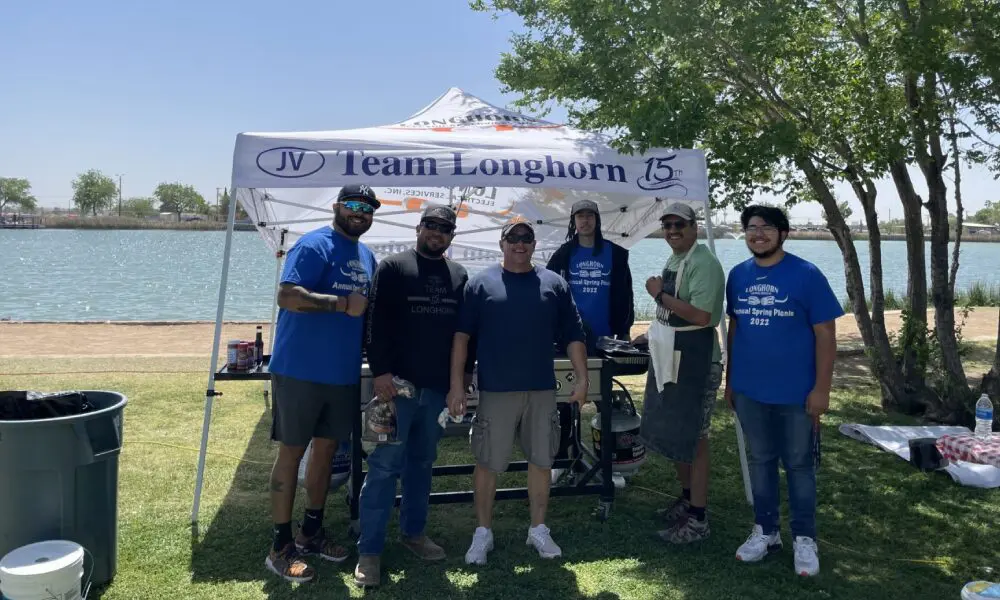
point(87, 275)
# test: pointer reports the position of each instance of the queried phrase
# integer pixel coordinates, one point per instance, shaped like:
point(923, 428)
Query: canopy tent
point(486, 162)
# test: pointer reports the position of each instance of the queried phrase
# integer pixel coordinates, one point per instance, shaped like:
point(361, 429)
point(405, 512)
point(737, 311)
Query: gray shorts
point(502, 417)
point(303, 410)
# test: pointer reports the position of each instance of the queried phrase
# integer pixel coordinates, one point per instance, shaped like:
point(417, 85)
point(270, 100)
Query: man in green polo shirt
point(678, 404)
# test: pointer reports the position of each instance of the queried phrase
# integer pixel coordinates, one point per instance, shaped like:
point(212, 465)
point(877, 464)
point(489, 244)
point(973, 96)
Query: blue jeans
point(782, 431)
point(412, 459)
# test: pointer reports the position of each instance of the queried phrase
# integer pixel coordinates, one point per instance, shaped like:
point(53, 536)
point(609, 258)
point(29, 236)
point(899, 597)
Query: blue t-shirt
point(323, 347)
point(774, 347)
point(590, 281)
point(516, 319)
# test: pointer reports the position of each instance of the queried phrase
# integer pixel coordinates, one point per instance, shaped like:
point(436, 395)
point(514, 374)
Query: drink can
point(232, 350)
point(243, 356)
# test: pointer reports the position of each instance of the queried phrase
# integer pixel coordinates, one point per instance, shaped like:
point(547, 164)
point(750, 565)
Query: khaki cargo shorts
point(502, 417)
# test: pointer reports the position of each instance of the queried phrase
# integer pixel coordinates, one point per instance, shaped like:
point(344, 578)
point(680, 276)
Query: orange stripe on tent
point(504, 128)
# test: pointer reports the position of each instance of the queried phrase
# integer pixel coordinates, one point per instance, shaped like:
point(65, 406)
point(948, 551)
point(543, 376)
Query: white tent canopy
point(487, 162)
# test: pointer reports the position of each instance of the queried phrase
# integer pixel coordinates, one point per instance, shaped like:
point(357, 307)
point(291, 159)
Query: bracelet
point(658, 298)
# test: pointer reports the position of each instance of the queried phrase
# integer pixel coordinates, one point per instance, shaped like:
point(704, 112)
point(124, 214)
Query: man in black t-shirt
point(413, 314)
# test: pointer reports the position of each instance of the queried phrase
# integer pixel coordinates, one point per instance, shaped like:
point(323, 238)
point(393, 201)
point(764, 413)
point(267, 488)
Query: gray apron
point(672, 417)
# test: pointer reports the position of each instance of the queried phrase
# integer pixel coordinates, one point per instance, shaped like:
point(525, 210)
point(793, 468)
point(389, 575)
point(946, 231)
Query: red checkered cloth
point(967, 447)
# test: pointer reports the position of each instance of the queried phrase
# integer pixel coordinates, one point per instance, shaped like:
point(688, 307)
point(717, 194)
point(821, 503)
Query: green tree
point(15, 192)
point(94, 191)
point(139, 207)
point(224, 207)
point(988, 214)
point(788, 98)
point(179, 198)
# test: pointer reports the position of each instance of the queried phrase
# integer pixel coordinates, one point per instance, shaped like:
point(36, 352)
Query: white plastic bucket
point(50, 570)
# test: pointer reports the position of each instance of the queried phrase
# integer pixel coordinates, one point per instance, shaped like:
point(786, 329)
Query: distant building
point(980, 229)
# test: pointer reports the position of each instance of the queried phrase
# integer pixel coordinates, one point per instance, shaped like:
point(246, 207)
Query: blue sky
point(158, 91)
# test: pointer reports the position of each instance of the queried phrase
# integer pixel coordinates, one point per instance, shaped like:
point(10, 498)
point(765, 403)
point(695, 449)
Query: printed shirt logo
point(353, 276)
point(762, 302)
point(590, 269)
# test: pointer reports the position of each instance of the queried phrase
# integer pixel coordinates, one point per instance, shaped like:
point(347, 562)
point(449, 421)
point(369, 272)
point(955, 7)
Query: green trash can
point(60, 481)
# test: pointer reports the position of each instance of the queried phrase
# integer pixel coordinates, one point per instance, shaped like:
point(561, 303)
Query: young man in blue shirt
point(316, 372)
point(598, 274)
point(782, 347)
point(517, 313)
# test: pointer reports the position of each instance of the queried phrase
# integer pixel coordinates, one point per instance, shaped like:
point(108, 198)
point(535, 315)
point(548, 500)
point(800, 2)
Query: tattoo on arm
point(298, 299)
point(277, 486)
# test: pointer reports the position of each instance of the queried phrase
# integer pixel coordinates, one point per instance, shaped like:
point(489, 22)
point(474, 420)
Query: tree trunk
point(914, 333)
point(875, 339)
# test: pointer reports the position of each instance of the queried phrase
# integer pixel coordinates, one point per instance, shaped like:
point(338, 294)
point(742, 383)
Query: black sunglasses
point(668, 225)
point(513, 238)
point(438, 226)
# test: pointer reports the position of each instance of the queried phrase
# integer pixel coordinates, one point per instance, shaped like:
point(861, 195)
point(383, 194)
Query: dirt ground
point(23, 340)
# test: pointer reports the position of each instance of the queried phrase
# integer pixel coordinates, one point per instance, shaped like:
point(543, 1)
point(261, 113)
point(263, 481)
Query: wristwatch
point(658, 297)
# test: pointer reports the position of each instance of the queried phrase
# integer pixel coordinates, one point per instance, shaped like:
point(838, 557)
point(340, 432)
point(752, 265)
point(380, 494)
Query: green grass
point(887, 530)
point(977, 294)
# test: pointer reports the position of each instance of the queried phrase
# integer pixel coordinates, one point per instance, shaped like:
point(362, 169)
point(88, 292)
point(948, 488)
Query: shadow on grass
point(233, 547)
point(878, 517)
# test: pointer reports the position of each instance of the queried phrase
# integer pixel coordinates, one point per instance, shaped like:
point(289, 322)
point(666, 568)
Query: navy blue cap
point(358, 191)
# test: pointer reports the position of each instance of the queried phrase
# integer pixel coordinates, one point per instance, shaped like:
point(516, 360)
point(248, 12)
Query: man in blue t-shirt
point(782, 346)
point(517, 313)
point(316, 372)
point(598, 274)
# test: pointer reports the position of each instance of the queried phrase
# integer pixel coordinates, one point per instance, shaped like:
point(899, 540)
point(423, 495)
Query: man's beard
point(344, 224)
point(425, 249)
point(766, 253)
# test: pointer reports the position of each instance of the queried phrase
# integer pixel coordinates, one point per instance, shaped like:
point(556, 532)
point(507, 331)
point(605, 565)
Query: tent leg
point(740, 442)
point(210, 393)
point(274, 306)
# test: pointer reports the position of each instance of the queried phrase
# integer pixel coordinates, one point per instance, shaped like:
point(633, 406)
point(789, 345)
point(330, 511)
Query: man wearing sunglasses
point(316, 372)
point(517, 313)
point(685, 370)
point(782, 313)
point(412, 318)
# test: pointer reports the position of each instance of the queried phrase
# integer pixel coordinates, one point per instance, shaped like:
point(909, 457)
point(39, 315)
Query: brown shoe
point(320, 545)
point(288, 565)
point(675, 512)
point(686, 531)
point(424, 548)
point(368, 573)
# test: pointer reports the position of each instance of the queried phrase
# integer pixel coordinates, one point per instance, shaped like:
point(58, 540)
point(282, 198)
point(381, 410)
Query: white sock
point(483, 531)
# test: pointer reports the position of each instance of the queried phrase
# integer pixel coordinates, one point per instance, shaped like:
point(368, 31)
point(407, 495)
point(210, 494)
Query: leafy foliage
point(93, 191)
point(179, 198)
point(16, 193)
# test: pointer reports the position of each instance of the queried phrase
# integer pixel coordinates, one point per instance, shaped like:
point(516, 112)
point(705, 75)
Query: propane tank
point(628, 453)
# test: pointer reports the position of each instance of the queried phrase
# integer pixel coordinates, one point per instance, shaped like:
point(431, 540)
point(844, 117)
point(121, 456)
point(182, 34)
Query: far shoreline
point(115, 223)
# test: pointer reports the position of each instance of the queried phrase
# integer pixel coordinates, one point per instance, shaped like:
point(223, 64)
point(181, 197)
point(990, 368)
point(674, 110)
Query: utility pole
point(119, 195)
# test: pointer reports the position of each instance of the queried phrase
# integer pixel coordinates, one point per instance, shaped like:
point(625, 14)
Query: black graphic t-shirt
point(413, 314)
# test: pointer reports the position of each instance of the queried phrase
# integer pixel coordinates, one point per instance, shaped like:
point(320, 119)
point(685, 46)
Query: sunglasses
point(445, 228)
point(358, 206)
point(678, 225)
point(513, 238)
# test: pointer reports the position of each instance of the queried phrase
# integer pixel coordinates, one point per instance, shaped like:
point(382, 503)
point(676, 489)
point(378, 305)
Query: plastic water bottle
point(984, 416)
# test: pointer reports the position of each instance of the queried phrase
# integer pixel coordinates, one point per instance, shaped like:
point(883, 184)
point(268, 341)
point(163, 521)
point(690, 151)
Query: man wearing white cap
point(685, 370)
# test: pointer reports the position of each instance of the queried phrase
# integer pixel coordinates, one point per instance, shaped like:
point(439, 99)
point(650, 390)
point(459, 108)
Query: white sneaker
point(806, 556)
point(482, 544)
point(540, 538)
point(758, 545)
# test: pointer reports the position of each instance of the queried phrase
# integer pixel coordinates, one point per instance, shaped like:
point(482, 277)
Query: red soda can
point(243, 357)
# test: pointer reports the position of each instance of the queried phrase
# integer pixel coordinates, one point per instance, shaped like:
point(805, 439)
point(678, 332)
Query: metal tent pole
point(725, 343)
point(279, 256)
point(210, 392)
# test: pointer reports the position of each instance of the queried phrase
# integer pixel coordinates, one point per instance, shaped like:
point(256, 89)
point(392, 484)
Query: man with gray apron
point(685, 369)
